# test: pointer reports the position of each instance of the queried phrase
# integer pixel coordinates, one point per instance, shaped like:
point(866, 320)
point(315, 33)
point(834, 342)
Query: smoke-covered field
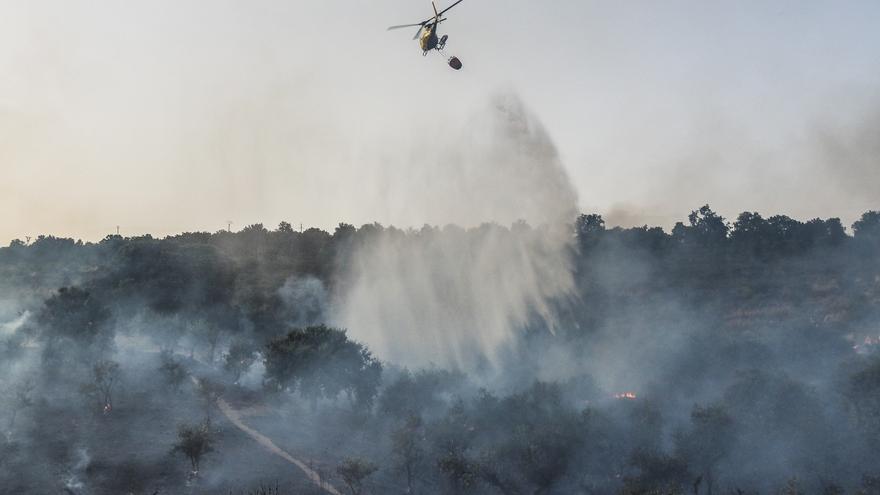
point(723, 357)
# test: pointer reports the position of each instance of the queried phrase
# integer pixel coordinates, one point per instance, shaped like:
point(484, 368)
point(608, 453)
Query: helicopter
point(427, 34)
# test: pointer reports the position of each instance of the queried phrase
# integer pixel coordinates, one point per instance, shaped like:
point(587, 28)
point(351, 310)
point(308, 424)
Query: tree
point(707, 442)
point(461, 472)
point(408, 449)
point(172, 371)
point(452, 437)
point(536, 437)
point(783, 231)
point(354, 471)
point(588, 228)
point(321, 361)
point(344, 231)
point(680, 233)
point(284, 228)
point(868, 226)
point(818, 232)
point(863, 392)
point(657, 473)
point(753, 232)
point(414, 393)
point(73, 320)
point(105, 375)
point(365, 376)
point(709, 228)
point(772, 408)
point(194, 441)
point(239, 359)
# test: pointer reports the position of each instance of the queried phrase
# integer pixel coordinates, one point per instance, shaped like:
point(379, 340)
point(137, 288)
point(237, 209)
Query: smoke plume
point(454, 299)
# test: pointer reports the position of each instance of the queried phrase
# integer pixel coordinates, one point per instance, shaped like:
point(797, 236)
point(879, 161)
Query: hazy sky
point(164, 116)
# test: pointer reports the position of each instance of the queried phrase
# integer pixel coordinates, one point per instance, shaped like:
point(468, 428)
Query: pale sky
point(165, 116)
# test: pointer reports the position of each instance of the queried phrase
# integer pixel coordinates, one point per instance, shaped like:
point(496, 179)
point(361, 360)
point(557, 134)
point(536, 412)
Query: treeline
point(197, 273)
point(721, 357)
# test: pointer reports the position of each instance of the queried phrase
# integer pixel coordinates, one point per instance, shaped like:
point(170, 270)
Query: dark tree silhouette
point(194, 442)
point(707, 227)
point(408, 450)
point(173, 372)
point(354, 472)
point(322, 362)
point(709, 439)
point(868, 226)
point(239, 359)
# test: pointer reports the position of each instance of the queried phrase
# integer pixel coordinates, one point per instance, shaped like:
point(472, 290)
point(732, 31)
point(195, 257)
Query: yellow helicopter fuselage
point(428, 38)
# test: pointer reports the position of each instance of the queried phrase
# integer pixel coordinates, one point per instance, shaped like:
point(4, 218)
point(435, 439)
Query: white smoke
point(305, 300)
point(73, 480)
point(454, 299)
point(10, 327)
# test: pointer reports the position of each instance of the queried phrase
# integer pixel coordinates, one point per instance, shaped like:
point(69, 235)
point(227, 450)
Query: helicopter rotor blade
point(447, 8)
point(418, 32)
point(420, 24)
point(428, 22)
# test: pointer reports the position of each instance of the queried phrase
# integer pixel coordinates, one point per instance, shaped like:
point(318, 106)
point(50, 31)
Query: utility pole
point(300, 228)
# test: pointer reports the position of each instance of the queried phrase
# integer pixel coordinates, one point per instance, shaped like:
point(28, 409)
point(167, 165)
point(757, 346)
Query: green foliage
point(863, 393)
point(541, 438)
point(419, 392)
point(588, 228)
point(752, 285)
point(461, 473)
point(284, 228)
point(74, 316)
point(320, 361)
point(657, 473)
point(239, 359)
point(522, 443)
point(408, 450)
point(194, 442)
point(868, 226)
point(707, 228)
point(354, 471)
point(707, 442)
point(171, 276)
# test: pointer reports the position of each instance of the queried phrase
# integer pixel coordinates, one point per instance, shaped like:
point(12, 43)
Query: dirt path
point(234, 416)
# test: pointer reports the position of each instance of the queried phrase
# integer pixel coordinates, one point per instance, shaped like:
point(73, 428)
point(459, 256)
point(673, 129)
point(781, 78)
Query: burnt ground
point(82, 451)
